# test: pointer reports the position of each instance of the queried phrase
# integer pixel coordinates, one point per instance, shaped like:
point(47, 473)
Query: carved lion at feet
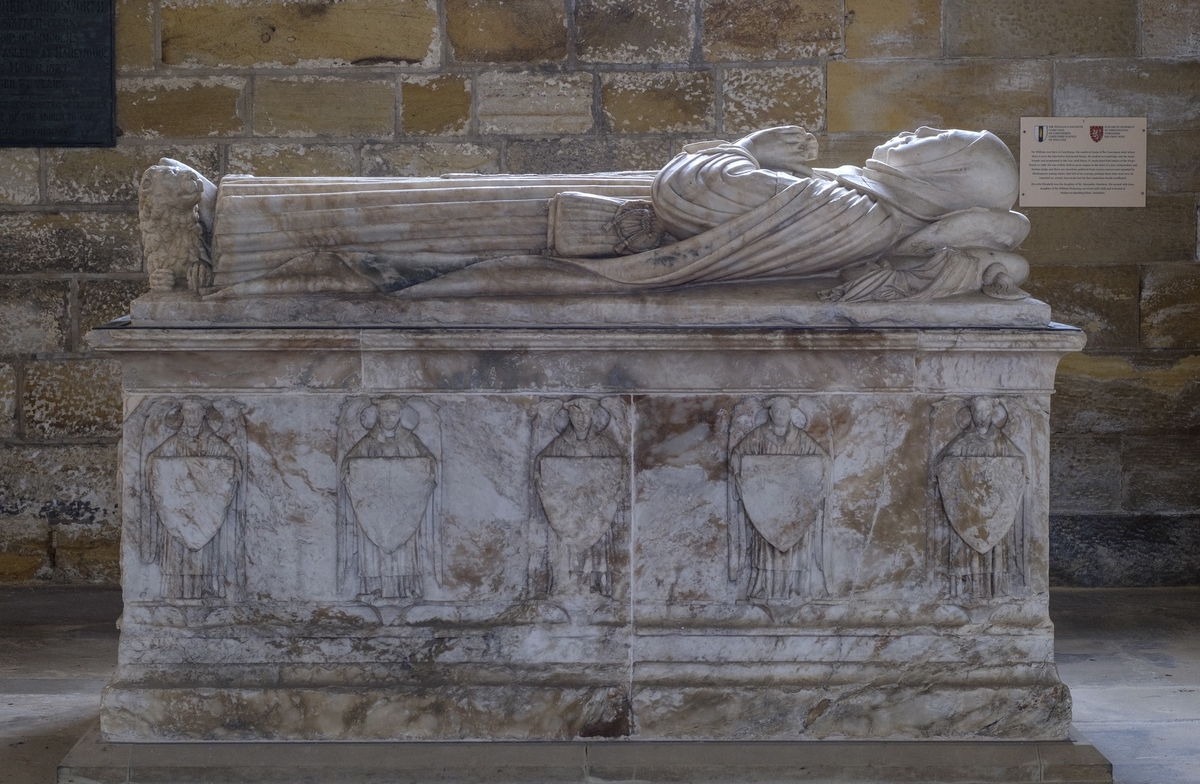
point(171, 204)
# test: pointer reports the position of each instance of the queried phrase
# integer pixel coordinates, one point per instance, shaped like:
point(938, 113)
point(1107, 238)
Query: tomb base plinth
point(739, 534)
point(585, 762)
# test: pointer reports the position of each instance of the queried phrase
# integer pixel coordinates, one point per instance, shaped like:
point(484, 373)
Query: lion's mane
point(168, 215)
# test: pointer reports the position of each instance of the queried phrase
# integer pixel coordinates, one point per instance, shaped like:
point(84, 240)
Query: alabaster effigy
point(739, 449)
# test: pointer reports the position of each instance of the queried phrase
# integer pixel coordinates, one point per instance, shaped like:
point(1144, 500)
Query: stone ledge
point(123, 338)
point(92, 761)
point(638, 360)
point(752, 304)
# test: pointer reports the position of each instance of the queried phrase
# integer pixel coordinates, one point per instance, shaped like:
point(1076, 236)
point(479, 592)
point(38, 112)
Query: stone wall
point(400, 87)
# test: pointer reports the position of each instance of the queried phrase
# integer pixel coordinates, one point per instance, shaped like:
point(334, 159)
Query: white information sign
point(1083, 161)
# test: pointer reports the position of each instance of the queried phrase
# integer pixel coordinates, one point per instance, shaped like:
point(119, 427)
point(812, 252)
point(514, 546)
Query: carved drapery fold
point(191, 486)
point(778, 489)
point(981, 477)
point(580, 480)
point(389, 498)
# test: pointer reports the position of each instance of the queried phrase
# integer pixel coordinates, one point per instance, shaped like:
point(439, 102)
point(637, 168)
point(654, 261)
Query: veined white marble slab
point(577, 533)
point(779, 303)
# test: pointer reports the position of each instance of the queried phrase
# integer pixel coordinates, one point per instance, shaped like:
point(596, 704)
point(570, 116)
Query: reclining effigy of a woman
point(739, 449)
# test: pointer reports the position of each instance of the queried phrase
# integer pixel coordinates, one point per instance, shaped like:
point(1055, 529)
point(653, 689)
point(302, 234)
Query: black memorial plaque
point(56, 73)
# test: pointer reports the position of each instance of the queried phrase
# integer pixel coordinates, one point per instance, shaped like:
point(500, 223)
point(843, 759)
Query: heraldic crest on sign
point(191, 486)
point(580, 479)
point(389, 498)
point(981, 478)
point(777, 491)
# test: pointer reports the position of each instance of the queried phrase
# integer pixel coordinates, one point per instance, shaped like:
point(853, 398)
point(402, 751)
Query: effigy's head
point(930, 173)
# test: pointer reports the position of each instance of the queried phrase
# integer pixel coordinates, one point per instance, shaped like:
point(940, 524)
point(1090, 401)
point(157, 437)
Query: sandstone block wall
point(421, 87)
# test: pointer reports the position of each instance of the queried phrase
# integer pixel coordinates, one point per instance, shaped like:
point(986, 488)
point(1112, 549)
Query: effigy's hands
point(786, 148)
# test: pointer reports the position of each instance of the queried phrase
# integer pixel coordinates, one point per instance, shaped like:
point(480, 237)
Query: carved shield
point(981, 496)
point(580, 496)
point(390, 496)
point(783, 495)
point(192, 495)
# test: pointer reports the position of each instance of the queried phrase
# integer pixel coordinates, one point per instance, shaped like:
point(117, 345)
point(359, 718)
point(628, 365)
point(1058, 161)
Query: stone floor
point(58, 647)
point(1131, 658)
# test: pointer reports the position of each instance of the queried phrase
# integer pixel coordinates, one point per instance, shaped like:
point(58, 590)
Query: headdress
point(971, 169)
